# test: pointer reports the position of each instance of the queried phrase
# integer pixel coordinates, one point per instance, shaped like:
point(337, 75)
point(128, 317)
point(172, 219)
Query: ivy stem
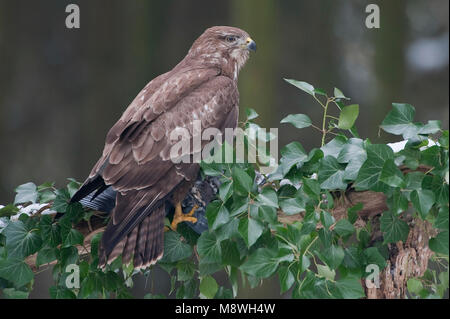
point(324, 122)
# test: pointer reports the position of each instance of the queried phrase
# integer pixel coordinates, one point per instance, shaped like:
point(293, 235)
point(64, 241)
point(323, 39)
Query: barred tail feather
point(143, 245)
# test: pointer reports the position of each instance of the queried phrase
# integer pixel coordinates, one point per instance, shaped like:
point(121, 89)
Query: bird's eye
point(231, 38)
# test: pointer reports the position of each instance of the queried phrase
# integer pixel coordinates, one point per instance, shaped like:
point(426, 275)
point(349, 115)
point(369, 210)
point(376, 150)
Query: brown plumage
point(136, 158)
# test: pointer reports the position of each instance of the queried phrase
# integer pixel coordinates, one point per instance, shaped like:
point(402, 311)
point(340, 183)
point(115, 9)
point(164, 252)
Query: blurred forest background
point(61, 90)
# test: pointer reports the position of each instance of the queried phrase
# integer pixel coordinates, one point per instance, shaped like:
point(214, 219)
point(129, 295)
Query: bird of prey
point(136, 163)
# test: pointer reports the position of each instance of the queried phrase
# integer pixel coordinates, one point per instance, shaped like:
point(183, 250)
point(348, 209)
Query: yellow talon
point(191, 213)
point(179, 216)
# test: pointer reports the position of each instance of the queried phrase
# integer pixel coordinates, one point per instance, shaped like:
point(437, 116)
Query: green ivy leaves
point(264, 262)
point(399, 121)
point(16, 271)
point(174, 248)
point(26, 193)
point(370, 172)
point(321, 256)
point(22, 239)
point(348, 116)
point(393, 227)
point(298, 120)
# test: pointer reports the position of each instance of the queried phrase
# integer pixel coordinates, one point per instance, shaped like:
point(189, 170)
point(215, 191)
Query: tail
point(144, 245)
point(94, 184)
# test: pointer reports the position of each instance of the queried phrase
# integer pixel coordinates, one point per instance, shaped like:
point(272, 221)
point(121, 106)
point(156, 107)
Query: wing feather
point(135, 160)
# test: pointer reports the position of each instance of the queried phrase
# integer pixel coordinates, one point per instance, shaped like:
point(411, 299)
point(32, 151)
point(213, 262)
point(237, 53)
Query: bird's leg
point(179, 216)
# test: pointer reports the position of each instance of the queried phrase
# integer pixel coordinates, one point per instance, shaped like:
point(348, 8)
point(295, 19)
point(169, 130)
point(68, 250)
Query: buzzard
point(136, 162)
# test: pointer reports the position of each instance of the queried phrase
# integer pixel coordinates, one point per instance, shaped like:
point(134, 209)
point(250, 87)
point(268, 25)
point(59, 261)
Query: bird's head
point(227, 47)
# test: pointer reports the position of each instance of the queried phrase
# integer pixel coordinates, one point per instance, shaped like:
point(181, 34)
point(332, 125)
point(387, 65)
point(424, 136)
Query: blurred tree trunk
point(257, 84)
point(389, 59)
point(127, 51)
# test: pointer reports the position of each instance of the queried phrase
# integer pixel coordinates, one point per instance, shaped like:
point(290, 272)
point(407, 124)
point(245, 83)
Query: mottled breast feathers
point(136, 160)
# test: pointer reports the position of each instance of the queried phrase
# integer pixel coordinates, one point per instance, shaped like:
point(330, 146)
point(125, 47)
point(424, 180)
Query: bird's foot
point(179, 216)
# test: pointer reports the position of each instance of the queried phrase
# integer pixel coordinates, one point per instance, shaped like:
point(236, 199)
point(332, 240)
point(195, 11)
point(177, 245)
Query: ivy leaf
point(26, 193)
point(298, 120)
point(331, 174)
point(353, 147)
point(251, 114)
point(333, 256)
point(250, 230)
point(224, 293)
point(50, 233)
point(68, 256)
point(348, 116)
point(391, 174)
point(61, 293)
point(217, 215)
point(439, 244)
point(211, 169)
point(16, 271)
point(268, 214)
point(21, 241)
point(242, 182)
point(46, 196)
point(11, 293)
point(74, 237)
point(350, 287)
point(61, 201)
point(304, 86)
point(394, 228)
point(73, 186)
point(8, 211)
point(334, 147)
point(410, 157)
point(290, 200)
point(370, 172)
point(355, 155)
point(45, 256)
point(373, 256)
point(344, 228)
point(399, 120)
point(286, 278)
point(185, 270)
point(338, 94)
point(441, 221)
point(268, 197)
point(327, 219)
point(262, 263)
point(325, 271)
point(208, 287)
point(226, 190)
point(352, 212)
point(292, 154)
point(352, 258)
point(208, 268)
point(209, 248)
point(440, 189)
point(230, 253)
point(432, 127)
point(397, 202)
point(311, 187)
point(414, 180)
point(414, 285)
point(174, 248)
point(422, 201)
point(444, 139)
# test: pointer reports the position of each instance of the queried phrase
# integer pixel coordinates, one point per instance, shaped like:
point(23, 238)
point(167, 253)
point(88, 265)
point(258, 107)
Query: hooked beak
point(250, 44)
